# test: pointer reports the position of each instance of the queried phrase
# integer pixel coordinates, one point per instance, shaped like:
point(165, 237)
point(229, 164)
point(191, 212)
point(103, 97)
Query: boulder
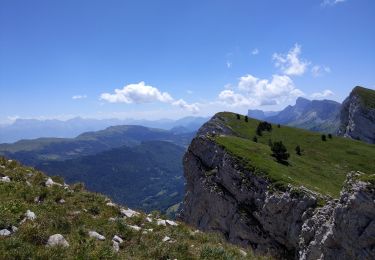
point(5, 232)
point(57, 240)
point(96, 235)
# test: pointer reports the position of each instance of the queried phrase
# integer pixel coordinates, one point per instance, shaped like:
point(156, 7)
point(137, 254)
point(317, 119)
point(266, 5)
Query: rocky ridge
point(223, 196)
point(357, 116)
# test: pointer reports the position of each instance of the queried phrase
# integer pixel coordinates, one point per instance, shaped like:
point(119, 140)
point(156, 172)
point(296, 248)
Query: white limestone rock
point(5, 232)
point(117, 239)
point(5, 179)
point(29, 215)
point(50, 183)
point(96, 235)
point(161, 222)
point(166, 239)
point(135, 227)
point(111, 204)
point(129, 213)
point(57, 240)
point(116, 246)
point(171, 223)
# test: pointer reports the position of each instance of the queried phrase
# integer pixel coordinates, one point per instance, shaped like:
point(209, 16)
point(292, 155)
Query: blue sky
point(169, 59)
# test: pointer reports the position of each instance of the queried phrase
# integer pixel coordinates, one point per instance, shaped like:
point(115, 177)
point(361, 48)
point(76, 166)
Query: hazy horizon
point(168, 59)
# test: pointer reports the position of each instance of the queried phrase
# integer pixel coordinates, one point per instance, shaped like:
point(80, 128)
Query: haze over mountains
point(134, 165)
point(314, 115)
point(33, 128)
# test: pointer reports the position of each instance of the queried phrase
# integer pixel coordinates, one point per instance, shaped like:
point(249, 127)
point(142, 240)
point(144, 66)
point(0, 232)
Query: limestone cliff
point(357, 115)
point(222, 195)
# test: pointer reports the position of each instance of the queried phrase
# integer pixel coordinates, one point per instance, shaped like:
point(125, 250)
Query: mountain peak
point(302, 101)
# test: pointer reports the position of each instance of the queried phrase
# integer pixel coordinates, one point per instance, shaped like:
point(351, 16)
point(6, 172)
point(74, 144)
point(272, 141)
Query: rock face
point(343, 229)
point(223, 196)
point(357, 115)
point(314, 115)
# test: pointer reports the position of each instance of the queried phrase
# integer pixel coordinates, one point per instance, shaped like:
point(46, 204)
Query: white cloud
point(252, 91)
point(184, 105)
point(331, 2)
point(79, 96)
point(318, 70)
point(229, 64)
point(255, 51)
point(189, 91)
point(323, 94)
point(137, 93)
point(141, 93)
point(290, 63)
point(231, 98)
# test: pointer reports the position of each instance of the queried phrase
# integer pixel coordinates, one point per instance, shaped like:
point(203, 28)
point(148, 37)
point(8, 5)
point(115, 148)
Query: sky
point(170, 59)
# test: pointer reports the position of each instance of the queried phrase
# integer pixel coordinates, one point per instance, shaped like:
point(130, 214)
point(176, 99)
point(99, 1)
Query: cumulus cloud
point(79, 96)
point(255, 51)
point(252, 91)
point(318, 70)
point(331, 2)
point(184, 105)
point(141, 93)
point(290, 63)
point(137, 93)
point(231, 98)
point(323, 94)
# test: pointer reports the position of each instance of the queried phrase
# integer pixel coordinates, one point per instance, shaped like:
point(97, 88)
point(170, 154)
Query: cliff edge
point(234, 196)
point(357, 115)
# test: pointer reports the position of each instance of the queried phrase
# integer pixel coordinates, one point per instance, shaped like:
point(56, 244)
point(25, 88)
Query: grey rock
point(96, 235)
point(343, 230)
point(5, 232)
point(357, 120)
point(57, 240)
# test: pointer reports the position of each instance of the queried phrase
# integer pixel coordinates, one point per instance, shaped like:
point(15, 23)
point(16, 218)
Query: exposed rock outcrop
point(357, 115)
point(222, 195)
point(343, 229)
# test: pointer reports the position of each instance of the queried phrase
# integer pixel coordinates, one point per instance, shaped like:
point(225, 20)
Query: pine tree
point(255, 139)
point(280, 152)
point(330, 136)
point(298, 150)
point(246, 119)
point(238, 116)
point(324, 138)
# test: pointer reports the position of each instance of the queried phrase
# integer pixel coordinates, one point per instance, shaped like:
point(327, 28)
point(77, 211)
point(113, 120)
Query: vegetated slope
point(147, 176)
point(33, 208)
point(322, 167)
point(234, 186)
point(314, 115)
point(357, 115)
point(367, 96)
point(33, 152)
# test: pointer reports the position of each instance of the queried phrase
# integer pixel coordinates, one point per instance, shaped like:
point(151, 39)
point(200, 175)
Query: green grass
point(29, 241)
point(367, 96)
point(322, 167)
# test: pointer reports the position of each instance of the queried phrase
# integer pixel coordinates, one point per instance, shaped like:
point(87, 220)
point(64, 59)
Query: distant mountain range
point(314, 115)
point(32, 128)
point(134, 165)
point(147, 176)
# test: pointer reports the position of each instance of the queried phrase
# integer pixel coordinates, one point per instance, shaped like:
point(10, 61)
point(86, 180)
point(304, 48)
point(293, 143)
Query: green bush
point(279, 151)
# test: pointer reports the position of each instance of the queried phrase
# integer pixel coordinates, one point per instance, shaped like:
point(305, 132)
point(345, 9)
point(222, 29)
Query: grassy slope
point(322, 167)
point(29, 241)
point(367, 96)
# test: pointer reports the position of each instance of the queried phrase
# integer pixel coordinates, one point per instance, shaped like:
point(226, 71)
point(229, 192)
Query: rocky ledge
point(223, 196)
point(357, 119)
